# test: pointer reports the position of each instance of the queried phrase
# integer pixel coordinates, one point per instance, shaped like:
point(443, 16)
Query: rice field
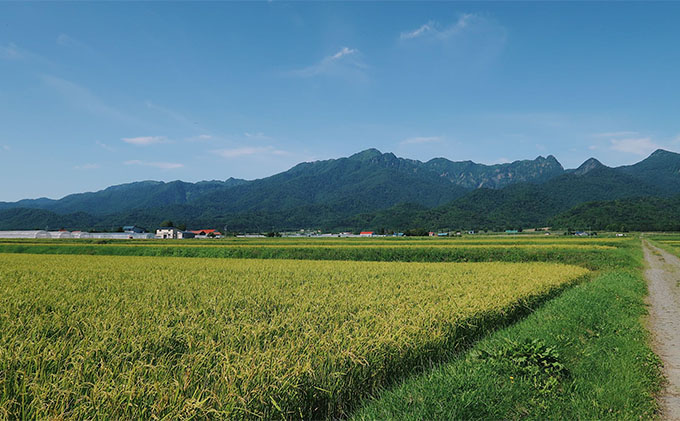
point(131, 337)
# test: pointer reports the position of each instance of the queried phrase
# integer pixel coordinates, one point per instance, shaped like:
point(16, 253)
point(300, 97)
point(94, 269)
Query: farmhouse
point(206, 232)
point(173, 233)
point(367, 233)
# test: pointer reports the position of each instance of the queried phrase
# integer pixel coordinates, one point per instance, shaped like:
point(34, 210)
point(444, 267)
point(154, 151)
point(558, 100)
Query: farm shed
point(24, 234)
point(367, 233)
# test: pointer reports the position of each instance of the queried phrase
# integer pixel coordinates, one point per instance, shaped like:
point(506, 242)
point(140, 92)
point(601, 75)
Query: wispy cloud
point(83, 98)
point(161, 165)
point(145, 140)
point(422, 139)
point(436, 30)
point(11, 51)
point(105, 146)
point(246, 151)
point(344, 61)
point(257, 136)
point(429, 26)
point(174, 115)
point(64, 40)
point(344, 51)
point(200, 138)
point(631, 142)
point(641, 146)
point(87, 167)
point(6, 148)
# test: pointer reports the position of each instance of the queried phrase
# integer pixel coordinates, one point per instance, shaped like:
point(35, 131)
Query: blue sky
point(96, 94)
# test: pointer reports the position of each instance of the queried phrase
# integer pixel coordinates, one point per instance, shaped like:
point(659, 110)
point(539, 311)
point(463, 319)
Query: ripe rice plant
point(140, 337)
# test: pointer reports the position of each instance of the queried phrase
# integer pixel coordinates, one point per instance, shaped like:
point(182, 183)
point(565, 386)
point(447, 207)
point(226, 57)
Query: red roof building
point(206, 232)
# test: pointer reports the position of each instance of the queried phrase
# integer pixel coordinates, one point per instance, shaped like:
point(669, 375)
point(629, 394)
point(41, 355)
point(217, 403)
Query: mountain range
point(368, 190)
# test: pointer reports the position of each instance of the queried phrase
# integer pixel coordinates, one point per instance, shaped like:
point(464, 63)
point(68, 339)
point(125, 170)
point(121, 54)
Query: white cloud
point(642, 146)
point(421, 139)
point(200, 138)
point(105, 146)
point(257, 136)
point(144, 140)
point(87, 167)
point(161, 165)
point(344, 51)
point(429, 26)
point(436, 30)
point(247, 151)
point(6, 148)
point(344, 61)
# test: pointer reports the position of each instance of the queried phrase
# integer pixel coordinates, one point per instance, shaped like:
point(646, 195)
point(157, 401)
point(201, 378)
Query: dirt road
point(663, 279)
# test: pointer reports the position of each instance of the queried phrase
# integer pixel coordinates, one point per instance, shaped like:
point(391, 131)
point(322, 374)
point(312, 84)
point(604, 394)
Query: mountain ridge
point(365, 190)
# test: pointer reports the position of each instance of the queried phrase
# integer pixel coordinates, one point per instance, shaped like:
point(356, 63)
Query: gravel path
point(663, 278)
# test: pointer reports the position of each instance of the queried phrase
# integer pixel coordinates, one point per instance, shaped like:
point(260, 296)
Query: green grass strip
point(590, 258)
point(583, 355)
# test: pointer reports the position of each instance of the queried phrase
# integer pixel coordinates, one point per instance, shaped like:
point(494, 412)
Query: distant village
point(172, 233)
point(130, 232)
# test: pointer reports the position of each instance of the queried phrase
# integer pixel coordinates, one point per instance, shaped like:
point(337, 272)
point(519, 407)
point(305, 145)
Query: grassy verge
point(583, 355)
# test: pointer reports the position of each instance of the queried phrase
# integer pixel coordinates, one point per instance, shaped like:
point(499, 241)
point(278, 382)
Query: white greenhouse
point(60, 234)
point(24, 234)
point(120, 236)
point(80, 234)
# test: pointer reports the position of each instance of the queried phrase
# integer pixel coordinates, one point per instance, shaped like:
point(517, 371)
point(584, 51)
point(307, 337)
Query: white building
point(173, 233)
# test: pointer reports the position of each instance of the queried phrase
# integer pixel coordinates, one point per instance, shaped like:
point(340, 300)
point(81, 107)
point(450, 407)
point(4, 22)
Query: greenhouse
point(120, 235)
point(60, 234)
point(80, 234)
point(24, 234)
